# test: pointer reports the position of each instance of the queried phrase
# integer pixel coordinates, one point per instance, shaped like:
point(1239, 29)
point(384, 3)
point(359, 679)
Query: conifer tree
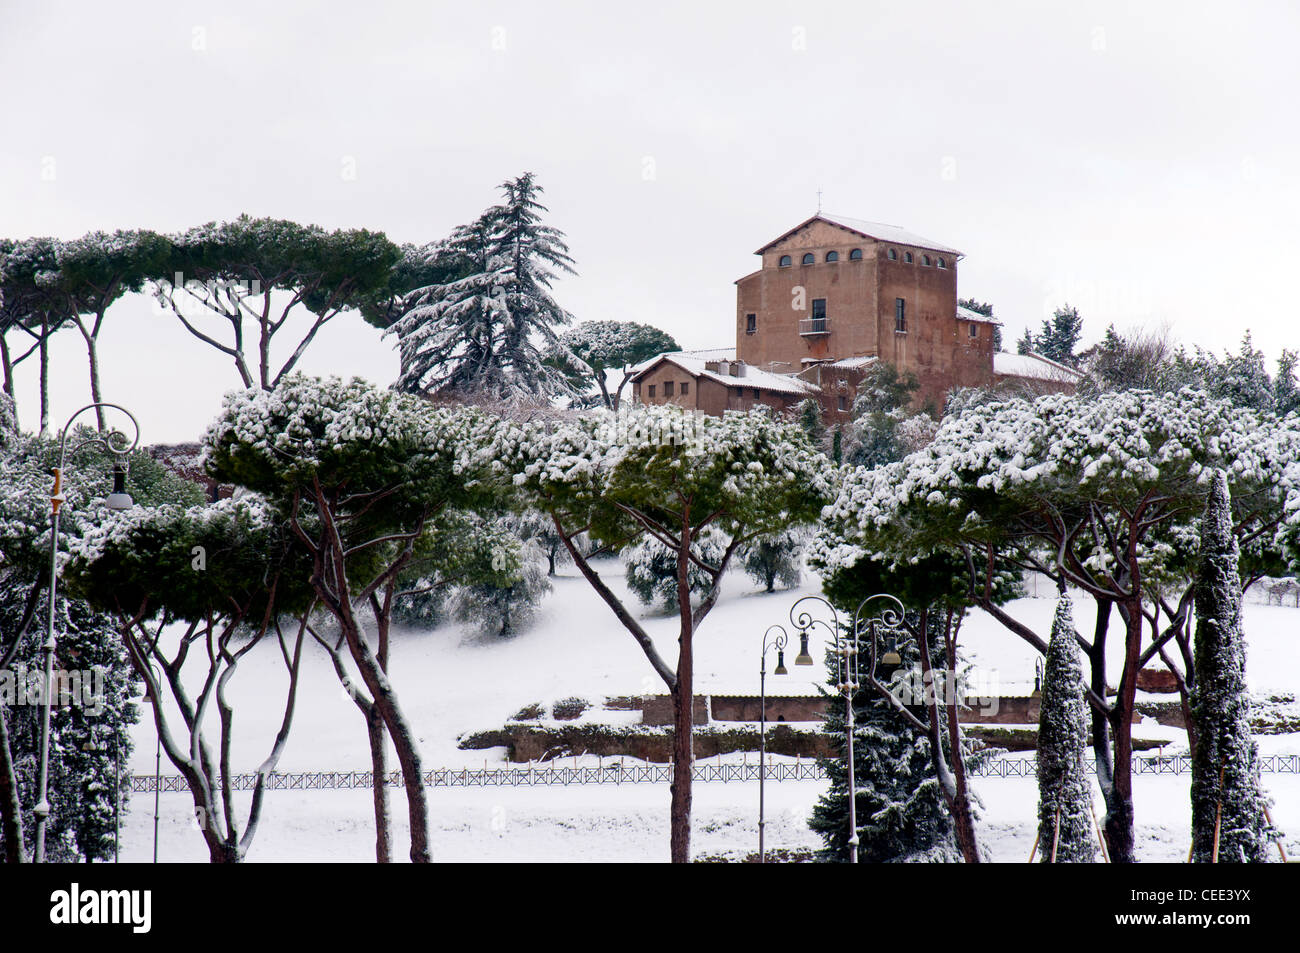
point(1228, 823)
point(776, 558)
point(492, 333)
point(1065, 833)
point(900, 806)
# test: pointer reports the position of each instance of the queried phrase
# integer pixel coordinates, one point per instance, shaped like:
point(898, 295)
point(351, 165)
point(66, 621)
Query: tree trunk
point(1119, 810)
point(963, 816)
point(604, 392)
point(399, 729)
point(220, 852)
point(954, 794)
point(6, 361)
point(11, 818)
point(92, 355)
point(379, 785)
point(45, 374)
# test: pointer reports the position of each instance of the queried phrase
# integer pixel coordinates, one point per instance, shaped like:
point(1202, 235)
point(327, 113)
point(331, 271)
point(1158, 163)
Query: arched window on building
point(907, 257)
point(809, 258)
point(925, 259)
point(855, 255)
point(786, 261)
point(832, 256)
point(893, 254)
point(941, 263)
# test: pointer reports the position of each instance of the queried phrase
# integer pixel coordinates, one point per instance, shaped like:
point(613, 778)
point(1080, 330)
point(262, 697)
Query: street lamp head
point(119, 499)
point(891, 656)
point(803, 658)
point(780, 663)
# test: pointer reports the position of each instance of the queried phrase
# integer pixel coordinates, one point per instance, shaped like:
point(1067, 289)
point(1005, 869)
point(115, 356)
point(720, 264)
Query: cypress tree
point(1226, 793)
point(1064, 792)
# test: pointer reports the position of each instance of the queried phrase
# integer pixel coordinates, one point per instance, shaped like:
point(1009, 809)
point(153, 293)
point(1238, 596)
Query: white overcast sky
point(1136, 159)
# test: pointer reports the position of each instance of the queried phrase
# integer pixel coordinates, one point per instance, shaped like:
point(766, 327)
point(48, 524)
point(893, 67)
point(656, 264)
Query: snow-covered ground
point(451, 682)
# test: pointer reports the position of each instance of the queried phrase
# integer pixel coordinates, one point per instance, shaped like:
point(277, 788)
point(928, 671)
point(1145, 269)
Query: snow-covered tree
point(1058, 338)
point(97, 270)
point(776, 558)
point(536, 527)
point(24, 567)
point(492, 332)
point(1064, 790)
point(228, 572)
point(605, 346)
point(34, 304)
point(652, 568)
point(225, 280)
point(363, 476)
point(1093, 491)
point(673, 475)
point(1228, 823)
point(90, 729)
point(879, 407)
point(505, 602)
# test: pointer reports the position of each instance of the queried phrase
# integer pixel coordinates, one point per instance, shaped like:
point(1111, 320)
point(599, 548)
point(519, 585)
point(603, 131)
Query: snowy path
point(630, 823)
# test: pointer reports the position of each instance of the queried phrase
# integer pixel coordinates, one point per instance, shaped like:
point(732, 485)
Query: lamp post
point(119, 500)
point(157, 758)
point(778, 642)
point(846, 671)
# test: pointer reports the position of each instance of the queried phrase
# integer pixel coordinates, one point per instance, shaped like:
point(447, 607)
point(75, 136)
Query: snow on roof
point(1033, 366)
point(887, 233)
point(853, 363)
point(966, 314)
point(704, 354)
point(693, 362)
point(877, 230)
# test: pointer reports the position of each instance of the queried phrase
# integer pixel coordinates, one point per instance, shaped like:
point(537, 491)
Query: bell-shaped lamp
point(119, 499)
point(803, 658)
point(891, 656)
point(780, 663)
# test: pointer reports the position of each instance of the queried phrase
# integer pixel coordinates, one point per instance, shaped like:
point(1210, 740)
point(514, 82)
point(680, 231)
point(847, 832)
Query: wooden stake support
point(1056, 834)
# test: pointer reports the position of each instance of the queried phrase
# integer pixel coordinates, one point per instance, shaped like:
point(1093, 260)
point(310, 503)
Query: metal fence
point(616, 773)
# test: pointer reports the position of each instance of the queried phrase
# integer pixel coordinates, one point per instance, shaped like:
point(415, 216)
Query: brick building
point(832, 295)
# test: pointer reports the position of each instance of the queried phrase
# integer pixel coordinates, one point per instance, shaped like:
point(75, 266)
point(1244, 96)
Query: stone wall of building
point(861, 311)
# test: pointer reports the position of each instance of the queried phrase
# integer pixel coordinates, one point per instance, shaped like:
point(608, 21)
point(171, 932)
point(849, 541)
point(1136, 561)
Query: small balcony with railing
point(814, 327)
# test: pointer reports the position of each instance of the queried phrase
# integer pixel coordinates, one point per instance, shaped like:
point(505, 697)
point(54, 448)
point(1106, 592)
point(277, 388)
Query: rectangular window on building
point(686, 388)
point(757, 395)
point(900, 315)
point(844, 403)
point(668, 388)
point(974, 330)
point(818, 315)
point(652, 390)
point(751, 323)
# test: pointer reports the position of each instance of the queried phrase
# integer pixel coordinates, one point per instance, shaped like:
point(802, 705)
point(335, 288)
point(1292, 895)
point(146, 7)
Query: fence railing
point(617, 773)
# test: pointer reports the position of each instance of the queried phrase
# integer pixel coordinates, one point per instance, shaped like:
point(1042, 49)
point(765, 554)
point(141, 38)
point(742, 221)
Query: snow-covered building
point(833, 295)
point(713, 381)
